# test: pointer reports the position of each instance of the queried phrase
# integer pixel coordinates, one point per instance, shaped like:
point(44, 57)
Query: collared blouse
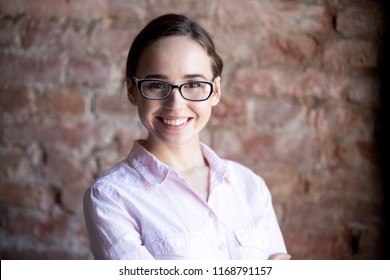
point(143, 209)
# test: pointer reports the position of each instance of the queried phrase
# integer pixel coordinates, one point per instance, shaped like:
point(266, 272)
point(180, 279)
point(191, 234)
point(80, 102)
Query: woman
point(173, 197)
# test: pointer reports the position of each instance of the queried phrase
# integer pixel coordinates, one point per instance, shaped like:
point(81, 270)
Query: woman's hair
point(171, 25)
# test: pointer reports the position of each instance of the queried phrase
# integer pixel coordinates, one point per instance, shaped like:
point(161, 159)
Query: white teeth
point(175, 122)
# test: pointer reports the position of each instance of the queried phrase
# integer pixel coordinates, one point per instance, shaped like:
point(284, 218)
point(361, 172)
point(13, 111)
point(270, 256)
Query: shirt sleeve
point(276, 241)
point(113, 232)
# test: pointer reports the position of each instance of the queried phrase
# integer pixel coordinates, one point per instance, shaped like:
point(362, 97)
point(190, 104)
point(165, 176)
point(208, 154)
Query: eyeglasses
point(158, 90)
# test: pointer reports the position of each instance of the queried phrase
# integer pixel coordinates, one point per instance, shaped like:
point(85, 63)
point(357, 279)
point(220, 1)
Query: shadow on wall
point(384, 133)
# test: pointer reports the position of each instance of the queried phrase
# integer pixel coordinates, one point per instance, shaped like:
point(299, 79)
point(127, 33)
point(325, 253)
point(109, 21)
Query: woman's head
point(171, 25)
point(173, 76)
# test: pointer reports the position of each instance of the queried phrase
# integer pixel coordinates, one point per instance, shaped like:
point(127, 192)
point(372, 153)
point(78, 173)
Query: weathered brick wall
point(300, 104)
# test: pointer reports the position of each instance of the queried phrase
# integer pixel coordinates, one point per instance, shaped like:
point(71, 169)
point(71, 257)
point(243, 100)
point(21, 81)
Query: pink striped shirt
point(143, 209)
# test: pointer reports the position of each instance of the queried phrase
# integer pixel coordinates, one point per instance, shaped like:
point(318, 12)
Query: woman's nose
point(175, 100)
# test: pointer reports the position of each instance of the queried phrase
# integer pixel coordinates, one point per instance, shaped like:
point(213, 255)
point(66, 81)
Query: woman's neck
point(182, 158)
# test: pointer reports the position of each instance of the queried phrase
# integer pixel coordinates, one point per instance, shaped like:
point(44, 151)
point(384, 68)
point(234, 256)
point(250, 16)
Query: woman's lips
point(174, 122)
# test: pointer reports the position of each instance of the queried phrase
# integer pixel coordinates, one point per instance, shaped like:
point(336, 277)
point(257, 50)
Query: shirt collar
point(155, 172)
point(217, 165)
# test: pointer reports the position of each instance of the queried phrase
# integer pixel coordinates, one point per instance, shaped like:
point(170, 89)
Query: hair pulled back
point(171, 25)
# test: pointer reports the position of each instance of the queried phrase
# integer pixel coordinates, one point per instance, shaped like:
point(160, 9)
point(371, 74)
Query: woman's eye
point(156, 85)
point(194, 85)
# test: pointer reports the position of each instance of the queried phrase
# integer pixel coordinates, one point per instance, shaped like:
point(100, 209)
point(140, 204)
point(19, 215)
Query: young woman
point(173, 197)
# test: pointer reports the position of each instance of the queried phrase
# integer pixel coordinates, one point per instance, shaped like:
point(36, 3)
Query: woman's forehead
point(175, 54)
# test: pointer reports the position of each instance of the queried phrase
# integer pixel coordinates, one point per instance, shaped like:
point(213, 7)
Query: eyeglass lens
point(192, 90)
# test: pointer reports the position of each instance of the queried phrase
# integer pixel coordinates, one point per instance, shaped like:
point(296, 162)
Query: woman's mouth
point(175, 122)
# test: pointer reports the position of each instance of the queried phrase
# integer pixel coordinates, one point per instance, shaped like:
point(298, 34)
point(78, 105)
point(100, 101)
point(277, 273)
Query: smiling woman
point(173, 197)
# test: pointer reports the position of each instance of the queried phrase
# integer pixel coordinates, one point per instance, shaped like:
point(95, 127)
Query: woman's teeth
point(175, 122)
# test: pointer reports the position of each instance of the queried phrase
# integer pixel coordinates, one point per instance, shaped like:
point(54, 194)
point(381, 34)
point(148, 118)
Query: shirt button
point(211, 215)
point(221, 247)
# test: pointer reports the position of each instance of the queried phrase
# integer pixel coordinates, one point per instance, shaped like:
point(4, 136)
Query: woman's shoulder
point(240, 168)
point(234, 169)
point(242, 173)
point(119, 178)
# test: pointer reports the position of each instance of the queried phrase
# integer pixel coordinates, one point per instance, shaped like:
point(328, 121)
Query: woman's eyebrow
point(155, 76)
point(164, 77)
point(192, 76)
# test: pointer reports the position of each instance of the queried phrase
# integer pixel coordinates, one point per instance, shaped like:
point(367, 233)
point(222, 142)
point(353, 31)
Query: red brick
point(358, 153)
point(38, 226)
point(146, 10)
point(337, 88)
point(19, 165)
point(314, 216)
point(344, 182)
point(113, 40)
point(230, 111)
point(361, 21)
point(292, 49)
point(67, 102)
point(8, 31)
point(88, 71)
point(370, 245)
point(61, 170)
point(246, 51)
point(86, 9)
point(364, 213)
point(51, 252)
point(281, 114)
point(319, 247)
point(51, 134)
point(25, 196)
point(75, 37)
point(311, 19)
point(308, 84)
point(282, 181)
point(345, 120)
point(25, 69)
point(127, 9)
point(298, 83)
point(298, 151)
point(55, 36)
point(15, 99)
point(72, 198)
point(197, 9)
point(355, 53)
point(351, 153)
point(364, 90)
point(107, 157)
point(42, 35)
point(90, 9)
point(284, 81)
point(258, 13)
point(277, 16)
point(258, 81)
point(115, 106)
point(44, 8)
point(267, 150)
point(126, 137)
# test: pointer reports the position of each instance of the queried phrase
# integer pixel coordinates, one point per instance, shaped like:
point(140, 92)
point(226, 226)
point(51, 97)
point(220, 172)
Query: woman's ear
point(216, 96)
point(131, 92)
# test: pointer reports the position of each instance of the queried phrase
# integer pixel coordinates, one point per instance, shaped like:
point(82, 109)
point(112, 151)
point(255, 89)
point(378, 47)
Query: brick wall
point(300, 107)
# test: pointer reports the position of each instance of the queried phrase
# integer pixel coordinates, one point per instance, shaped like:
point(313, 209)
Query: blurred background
point(303, 98)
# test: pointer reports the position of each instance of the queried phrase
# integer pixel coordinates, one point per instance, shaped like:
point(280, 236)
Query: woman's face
point(174, 120)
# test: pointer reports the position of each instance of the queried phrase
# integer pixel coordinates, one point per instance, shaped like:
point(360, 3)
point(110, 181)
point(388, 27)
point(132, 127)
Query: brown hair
point(171, 25)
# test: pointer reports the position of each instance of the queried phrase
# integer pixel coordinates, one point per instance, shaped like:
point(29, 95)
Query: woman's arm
point(113, 232)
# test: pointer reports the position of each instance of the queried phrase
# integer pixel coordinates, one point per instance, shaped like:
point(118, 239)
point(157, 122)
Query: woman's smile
point(175, 122)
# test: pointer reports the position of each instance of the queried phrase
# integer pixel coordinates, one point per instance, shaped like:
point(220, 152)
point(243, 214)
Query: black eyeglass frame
point(139, 82)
